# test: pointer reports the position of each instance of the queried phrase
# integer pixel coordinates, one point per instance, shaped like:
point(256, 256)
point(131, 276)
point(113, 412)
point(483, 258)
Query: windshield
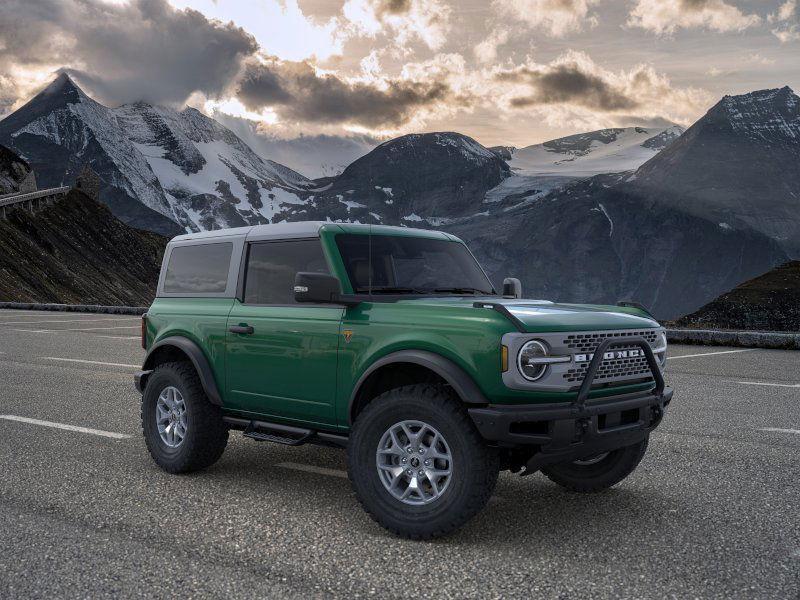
point(410, 265)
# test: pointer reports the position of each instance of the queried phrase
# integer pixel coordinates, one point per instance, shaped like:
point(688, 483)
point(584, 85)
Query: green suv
point(392, 343)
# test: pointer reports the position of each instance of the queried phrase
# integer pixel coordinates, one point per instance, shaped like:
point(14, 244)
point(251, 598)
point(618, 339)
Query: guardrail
point(90, 308)
point(7, 200)
point(747, 339)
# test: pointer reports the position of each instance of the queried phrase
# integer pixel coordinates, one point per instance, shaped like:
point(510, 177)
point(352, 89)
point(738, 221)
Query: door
point(282, 361)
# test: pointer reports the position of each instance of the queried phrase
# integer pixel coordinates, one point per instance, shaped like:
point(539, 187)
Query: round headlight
point(526, 360)
point(661, 345)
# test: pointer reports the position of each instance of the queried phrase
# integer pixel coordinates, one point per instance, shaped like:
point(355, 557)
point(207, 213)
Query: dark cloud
point(393, 7)
point(297, 92)
point(141, 50)
point(567, 83)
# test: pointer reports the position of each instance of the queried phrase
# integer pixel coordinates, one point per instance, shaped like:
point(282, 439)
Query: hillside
point(770, 302)
point(76, 252)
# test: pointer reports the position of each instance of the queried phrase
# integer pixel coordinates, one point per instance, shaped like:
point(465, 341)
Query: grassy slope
point(76, 252)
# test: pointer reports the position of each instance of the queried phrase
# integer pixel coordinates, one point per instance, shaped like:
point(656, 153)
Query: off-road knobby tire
point(475, 465)
point(599, 476)
point(206, 436)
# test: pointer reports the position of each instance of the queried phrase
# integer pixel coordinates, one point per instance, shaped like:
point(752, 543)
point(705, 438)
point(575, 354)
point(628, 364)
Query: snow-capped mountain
point(162, 169)
point(593, 153)
point(540, 169)
point(430, 178)
point(739, 165)
point(714, 207)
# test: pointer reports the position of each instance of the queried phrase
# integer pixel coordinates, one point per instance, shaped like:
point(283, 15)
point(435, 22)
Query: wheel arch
point(180, 348)
point(411, 366)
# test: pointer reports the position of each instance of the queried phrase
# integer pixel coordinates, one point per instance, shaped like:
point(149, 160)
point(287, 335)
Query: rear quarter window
point(198, 269)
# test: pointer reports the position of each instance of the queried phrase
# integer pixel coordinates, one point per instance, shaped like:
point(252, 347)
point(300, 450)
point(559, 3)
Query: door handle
point(243, 329)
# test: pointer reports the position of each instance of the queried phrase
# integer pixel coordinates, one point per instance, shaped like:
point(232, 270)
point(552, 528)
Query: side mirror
point(319, 288)
point(512, 287)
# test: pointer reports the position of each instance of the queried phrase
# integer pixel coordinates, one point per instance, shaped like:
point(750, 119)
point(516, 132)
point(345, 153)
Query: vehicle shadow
point(530, 509)
point(537, 511)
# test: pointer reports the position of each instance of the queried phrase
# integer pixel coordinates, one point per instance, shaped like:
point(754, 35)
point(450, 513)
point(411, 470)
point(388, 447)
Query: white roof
point(292, 230)
point(299, 228)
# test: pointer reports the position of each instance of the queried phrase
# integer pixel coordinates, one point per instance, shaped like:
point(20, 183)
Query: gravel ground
point(710, 513)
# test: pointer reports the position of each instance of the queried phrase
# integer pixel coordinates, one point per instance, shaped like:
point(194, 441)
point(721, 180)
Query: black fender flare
point(199, 360)
point(455, 376)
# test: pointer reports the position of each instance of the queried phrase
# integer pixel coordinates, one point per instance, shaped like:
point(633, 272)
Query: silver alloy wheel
point(414, 462)
point(171, 417)
point(590, 460)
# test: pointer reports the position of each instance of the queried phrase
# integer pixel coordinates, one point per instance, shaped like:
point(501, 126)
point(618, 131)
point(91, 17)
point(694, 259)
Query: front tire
point(183, 431)
point(597, 473)
point(417, 464)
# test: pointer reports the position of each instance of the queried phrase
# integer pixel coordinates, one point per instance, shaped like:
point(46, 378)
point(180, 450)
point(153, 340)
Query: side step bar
point(263, 431)
point(280, 434)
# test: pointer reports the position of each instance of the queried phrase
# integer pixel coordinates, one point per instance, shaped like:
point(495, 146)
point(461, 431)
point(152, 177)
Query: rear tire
point(589, 475)
point(440, 427)
point(174, 398)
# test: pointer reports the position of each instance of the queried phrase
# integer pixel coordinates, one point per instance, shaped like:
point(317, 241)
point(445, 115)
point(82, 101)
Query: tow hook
point(657, 414)
point(581, 427)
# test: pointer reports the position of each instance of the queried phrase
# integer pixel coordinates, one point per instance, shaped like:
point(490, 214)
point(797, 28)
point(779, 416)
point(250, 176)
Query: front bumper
point(564, 432)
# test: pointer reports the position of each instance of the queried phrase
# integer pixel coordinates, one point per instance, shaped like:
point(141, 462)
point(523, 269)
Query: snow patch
point(349, 203)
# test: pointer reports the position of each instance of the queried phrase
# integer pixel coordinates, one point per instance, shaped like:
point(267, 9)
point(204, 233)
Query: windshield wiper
point(463, 290)
point(388, 289)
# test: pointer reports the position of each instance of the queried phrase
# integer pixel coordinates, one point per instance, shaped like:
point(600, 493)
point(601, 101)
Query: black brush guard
point(561, 432)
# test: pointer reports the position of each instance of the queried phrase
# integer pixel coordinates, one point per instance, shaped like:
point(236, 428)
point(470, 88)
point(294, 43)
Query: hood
point(542, 316)
point(577, 317)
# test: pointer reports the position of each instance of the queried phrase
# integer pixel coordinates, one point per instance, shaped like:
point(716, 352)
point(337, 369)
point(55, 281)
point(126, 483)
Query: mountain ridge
point(737, 166)
point(643, 234)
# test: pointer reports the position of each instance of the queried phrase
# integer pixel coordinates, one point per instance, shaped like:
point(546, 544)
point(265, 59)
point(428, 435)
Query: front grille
point(611, 369)
point(618, 368)
point(588, 342)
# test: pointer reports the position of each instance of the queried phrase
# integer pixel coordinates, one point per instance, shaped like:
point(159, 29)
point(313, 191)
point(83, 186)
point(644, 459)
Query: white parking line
point(710, 353)
point(786, 385)
point(77, 329)
point(66, 321)
point(313, 469)
point(100, 432)
point(779, 430)
point(90, 362)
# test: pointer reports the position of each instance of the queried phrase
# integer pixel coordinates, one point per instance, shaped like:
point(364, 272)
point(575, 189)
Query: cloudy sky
point(503, 71)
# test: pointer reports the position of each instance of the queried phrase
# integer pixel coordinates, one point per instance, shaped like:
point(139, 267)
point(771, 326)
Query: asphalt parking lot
point(712, 511)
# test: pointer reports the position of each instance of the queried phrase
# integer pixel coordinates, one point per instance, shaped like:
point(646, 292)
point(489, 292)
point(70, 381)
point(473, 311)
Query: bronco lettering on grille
point(632, 353)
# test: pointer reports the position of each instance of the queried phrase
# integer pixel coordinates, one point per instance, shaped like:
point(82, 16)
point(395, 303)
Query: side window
point(272, 266)
point(198, 269)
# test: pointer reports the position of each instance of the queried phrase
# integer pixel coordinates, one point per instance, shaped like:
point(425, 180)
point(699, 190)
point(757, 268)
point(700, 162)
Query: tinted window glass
point(200, 269)
point(410, 265)
point(272, 266)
